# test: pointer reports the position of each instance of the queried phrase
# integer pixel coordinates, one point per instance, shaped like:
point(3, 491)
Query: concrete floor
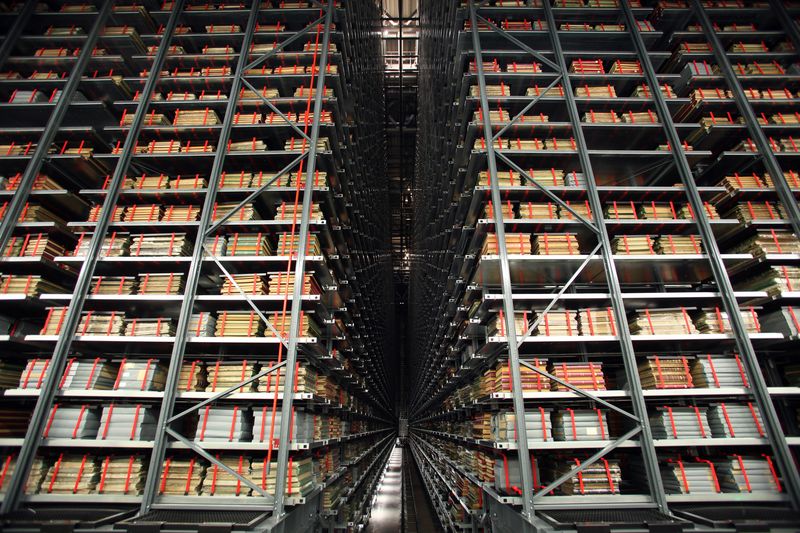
point(386, 512)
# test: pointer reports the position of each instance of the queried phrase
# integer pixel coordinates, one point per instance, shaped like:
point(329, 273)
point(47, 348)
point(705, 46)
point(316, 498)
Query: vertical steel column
point(196, 267)
point(789, 25)
point(753, 127)
point(649, 456)
point(505, 280)
point(20, 198)
point(775, 433)
point(58, 360)
point(299, 272)
point(13, 34)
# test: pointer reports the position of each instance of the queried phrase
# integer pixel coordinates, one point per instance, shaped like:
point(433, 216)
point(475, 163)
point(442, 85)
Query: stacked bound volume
point(581, 375)
point(580, 424)
point(680, 423)
point(127, 422)
point(735, 420)
point(684, 477)
point(229, 424)
point(122, 475)
point(602, 477)
point(666, 373)
point(662, 322)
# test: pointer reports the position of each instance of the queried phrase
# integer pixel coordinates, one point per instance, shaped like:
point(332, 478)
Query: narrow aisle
point(426, 518)
point(387, 510)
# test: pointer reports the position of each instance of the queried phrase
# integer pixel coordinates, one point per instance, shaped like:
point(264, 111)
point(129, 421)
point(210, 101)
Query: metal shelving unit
point(555, 184)
point(181, 131)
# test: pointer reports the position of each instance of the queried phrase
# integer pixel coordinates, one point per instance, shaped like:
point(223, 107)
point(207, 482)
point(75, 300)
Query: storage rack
point(296, 122)
point(551, 390)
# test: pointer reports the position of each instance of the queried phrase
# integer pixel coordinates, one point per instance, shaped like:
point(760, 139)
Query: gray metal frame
point(48, 390)
point(775, 434)
point(649, 456)
point(598, 228)
point(785, 194)
point(20, 198)
point(208, 228)
point(505, 275)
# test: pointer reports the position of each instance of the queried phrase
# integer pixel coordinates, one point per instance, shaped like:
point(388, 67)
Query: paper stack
point(750, 211)
point(283, 283)
point(602, 477)
point(40, 467)
point(219, 482)
point(301, 476)
point(246, 212)
point(244, 244)
point(223, 375)
point(684, 477)
point(748, 474)
point(235, 180)
point(229, 424)
point(160, 283)
point(154, 245)
point(288, 244)
point(505, 178)
point(113, 285)
point(582, 209)
point(150, 327)
point(239, 324)
point(516, 243)
point(188, 183)
point(600, 117)
point(491, 90)
point(34, 245)
point(146, 182)
point(582, 375)
point(716, 321)
point(253, 145)
point(679, 423)
point(27, 285)
point(248, 283)
point(506, 211)
point(305, 380)
point(555, 323)
point(196, 117)
point(282, 322)
point(85, 374)
point(735, 420)
point(294, 212)
point(181, 213)
point(193, 377)
point(662, 322)
point(685, 212)
point(122, 475)
point(580, 424)
point(267, 424)
point(141, 375)
point(181, 477)
point(93, 323)
point(715, 371)
point(678, 244)
point(297, 144)
point(658, 372)
point(659, 211)
point(202, 324)
point(634, 245)
point(641, 117)
point(625, 67)
point(535, 210)
point(505, 472)
point(127, 422)
point(531, 381)
point(621, 211)
point(72, 422)
point(601, 91)
point(497, 324)
point(71, 474)
point(151, 119)
point(555, 244)
point(776, 280)
point(596, 322)
point(769, 242)
point(538, 426)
